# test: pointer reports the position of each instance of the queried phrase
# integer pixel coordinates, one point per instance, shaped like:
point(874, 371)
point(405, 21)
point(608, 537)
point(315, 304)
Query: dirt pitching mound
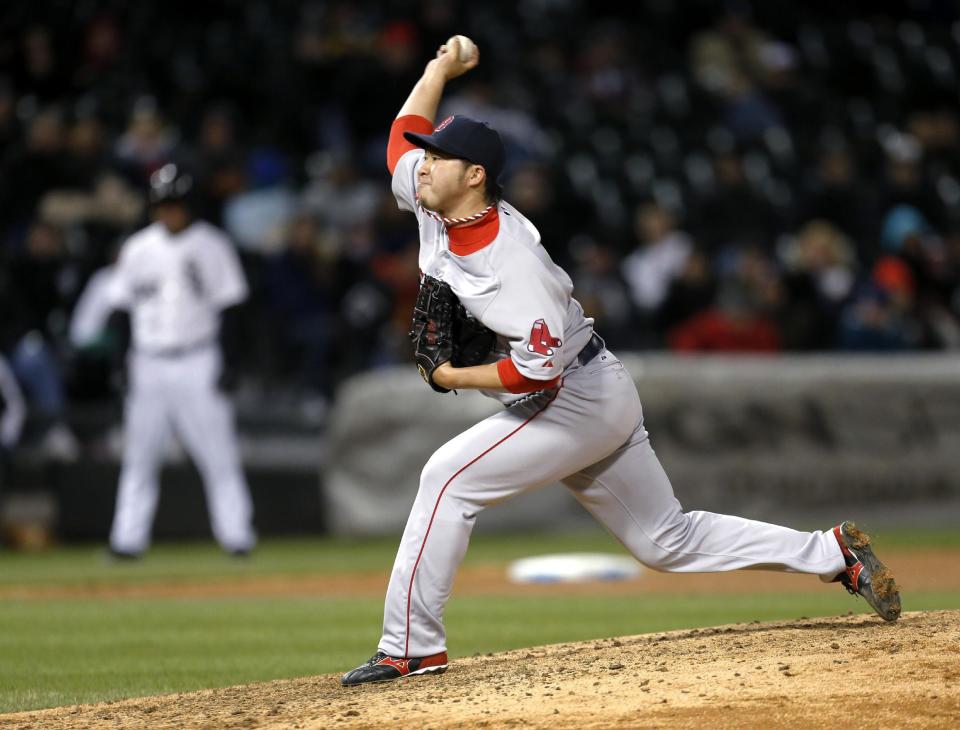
point(855, 671)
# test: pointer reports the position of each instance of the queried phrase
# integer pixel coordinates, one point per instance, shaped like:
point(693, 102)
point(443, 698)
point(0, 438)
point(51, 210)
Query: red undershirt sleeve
point(515, 382)
point(397, 147)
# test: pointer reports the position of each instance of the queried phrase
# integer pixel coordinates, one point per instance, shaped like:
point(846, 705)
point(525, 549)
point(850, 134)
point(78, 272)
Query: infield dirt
point(851, 671)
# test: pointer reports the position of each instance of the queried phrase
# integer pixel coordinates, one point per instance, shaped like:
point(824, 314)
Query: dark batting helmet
point(171, 184)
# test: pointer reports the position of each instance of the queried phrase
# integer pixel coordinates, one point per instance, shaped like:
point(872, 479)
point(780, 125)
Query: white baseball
point(467, 47)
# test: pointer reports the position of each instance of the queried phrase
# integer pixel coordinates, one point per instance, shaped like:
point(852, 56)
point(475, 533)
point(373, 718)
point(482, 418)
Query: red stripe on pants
point(406, 646)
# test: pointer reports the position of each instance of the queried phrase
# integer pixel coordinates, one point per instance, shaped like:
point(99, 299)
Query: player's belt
point(591, 349)
point(174, 352)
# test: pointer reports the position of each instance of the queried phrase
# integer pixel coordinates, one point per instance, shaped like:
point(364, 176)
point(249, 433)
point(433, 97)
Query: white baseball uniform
point(13, 410)
point(92, 310)
point(585, 429)
point(175, 286)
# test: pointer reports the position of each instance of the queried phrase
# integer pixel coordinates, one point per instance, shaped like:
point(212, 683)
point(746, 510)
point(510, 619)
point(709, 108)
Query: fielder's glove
point(443, 331)
point(432, 330)
point(472, 341)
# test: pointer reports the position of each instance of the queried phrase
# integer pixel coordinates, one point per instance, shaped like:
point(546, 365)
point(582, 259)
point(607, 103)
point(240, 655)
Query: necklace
point(458, 221)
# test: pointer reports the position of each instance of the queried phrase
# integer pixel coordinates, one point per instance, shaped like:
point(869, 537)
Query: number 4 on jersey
point(541, 341)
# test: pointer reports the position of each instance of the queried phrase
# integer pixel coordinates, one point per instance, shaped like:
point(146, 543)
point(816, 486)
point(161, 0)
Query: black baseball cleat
point(865, 575)
point(383, 668)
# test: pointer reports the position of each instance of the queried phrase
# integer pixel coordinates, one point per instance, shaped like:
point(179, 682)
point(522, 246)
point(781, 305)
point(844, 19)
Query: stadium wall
point(796, 439)
point(800, 440)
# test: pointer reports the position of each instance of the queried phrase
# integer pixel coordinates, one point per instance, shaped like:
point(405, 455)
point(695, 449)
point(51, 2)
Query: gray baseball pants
point(589, 435)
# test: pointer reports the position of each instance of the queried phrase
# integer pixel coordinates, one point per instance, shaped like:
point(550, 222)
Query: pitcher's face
point(442, 181)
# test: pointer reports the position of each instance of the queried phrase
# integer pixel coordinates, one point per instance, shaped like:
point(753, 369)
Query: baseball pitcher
point(572, 412)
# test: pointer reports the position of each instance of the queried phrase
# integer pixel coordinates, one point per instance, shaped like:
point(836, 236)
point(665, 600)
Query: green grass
point(55, 652)
point(197, 562)
point(194, 562)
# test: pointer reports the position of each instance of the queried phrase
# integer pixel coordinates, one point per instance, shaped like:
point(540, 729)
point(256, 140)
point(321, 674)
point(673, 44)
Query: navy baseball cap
point(466, 139)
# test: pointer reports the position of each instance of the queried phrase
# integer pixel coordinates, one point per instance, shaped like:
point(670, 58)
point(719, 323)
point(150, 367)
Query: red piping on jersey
point(413, 575)
point(397, 147)
point(516, 382)
point(465, 240)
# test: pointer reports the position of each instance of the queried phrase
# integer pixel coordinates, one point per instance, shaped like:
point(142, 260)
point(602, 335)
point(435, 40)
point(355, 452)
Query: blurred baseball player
point(13, 411)
point(177, 278)
point(573, 413)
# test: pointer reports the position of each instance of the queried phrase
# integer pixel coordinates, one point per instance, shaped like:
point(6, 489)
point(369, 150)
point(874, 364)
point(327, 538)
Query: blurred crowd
point(716, 176)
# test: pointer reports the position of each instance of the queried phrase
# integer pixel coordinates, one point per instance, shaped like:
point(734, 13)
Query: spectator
point(748, 113)
point(91, 195)
point(905, 181)
point(603, 293)
point(147, 144)
point(657, 260)
point(9, 128)
point(952, 266)
point(532, 190)
point(837, 195)
point(693, 291)
point(38, 69)
point(606, 79)
point(28, 171)
point(819, 277)
point(937, 129)
point(736, 62)
point(734, 215)
point(376, 311)
point(743, 319)
point(300, 287)
point(219, 161)
point(47, 281)
point(85, 154)
point(43, 282)
point(522, 136)
point(337, 193)
point(730, 52)
point(907, 234)
point(257, 218)
point(882, 317)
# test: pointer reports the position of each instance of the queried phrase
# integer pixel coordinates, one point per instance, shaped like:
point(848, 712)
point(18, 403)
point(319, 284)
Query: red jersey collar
point(465, 240)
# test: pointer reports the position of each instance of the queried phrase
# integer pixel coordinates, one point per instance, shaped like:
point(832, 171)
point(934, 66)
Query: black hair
point(492, 190)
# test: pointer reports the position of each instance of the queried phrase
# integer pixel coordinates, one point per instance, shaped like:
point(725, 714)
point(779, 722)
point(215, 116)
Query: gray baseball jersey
point(506, 280)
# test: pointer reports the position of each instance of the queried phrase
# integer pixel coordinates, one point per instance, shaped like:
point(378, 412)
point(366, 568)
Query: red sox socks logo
point(541, 341)
point(443, 124)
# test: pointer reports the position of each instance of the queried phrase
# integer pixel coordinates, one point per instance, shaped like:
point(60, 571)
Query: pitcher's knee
point(664, 547)
point(436, 473)
point(448, 487)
